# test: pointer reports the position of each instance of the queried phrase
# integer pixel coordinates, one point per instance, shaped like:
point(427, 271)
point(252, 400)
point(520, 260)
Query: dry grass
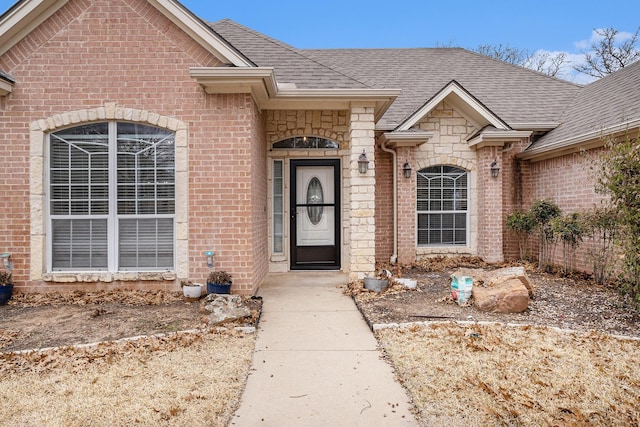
point(193, 379)
point(488, 375)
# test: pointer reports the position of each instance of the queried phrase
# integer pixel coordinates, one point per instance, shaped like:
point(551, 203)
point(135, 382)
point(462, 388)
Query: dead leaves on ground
point(76, 358)
point(120, 296)
point(516, 375)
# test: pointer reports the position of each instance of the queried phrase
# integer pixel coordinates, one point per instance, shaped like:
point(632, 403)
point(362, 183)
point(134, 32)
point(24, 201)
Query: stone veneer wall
point(449, 147)
point(362, 204)
point(330, 124)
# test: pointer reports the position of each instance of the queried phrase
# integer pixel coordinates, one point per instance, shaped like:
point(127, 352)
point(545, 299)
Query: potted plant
point(219, 282)
point(6, 287)
point(191, 290)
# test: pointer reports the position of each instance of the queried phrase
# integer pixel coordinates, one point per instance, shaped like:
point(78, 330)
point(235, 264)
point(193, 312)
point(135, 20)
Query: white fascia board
point(497, 138)
point(260, 82)
point(453, 88)
point(407, 139)
point(5, 87)
point(587, 140)
point(23, 18)
point(200, 32)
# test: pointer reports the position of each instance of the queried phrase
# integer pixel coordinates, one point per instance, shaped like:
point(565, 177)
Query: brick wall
point(259, 191)
point(124, 51)
point(490, 208)
point(384, 205)
point(569, 181)
point(406, 208)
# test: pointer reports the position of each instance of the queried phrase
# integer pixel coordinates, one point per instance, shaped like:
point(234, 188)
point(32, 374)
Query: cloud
point(621, 37)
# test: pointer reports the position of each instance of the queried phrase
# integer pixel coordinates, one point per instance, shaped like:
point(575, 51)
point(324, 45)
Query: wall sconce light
point(495, 169)
point(363, 163)
point(209, 255)
point(406, 169)
point(7, 262)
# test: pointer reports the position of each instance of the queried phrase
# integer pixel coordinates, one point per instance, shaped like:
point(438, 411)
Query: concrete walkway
point(316, 362)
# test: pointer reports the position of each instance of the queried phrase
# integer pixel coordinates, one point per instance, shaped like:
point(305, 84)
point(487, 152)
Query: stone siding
point(281, 124)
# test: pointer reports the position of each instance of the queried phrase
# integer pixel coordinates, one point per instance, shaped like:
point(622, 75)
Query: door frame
point(294, 164)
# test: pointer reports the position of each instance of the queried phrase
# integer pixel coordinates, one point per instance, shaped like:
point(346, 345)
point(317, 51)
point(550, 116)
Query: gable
point(27, 15)
point(462, 101)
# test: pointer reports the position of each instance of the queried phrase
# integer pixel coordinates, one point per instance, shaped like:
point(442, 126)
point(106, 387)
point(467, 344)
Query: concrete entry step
point(316, 362)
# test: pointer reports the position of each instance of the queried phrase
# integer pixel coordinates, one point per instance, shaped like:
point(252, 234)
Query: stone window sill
point(61, 277)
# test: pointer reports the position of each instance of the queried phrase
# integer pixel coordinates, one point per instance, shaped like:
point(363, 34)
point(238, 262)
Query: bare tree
point(609, 56)
point(506, 53)
point(541, 61)
point(547, 63)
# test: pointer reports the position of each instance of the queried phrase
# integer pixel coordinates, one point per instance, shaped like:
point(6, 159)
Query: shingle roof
point(610, 101)
point(290, 65)
point(515, 94)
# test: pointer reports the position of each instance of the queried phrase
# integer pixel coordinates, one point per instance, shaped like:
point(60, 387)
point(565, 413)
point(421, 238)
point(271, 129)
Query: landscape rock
point(506, 290)
point(224, 308)
point(503, 296)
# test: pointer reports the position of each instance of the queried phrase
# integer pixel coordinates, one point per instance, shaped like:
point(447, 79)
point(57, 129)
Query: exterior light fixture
point(495, 169)
point(7, 262)
point(209, 255)
point(406, 169)
point(363, 163)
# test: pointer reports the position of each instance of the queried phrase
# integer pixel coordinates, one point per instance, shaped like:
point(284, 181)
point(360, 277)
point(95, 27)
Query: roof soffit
point(461, 100)
point(5, 87)
point(27, 15)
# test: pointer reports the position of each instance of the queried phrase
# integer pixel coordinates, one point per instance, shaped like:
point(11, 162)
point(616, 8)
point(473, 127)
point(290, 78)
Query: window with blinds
point(442, 200)
point(112, 198)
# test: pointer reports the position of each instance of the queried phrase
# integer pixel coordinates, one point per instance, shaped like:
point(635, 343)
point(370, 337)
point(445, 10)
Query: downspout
point(394, 257)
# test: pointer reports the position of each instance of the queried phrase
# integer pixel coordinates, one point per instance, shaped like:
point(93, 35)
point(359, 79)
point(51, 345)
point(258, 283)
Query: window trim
point(467, 213)
point(109, 111)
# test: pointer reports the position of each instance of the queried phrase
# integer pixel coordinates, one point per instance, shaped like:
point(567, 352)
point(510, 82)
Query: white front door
point(315, 214)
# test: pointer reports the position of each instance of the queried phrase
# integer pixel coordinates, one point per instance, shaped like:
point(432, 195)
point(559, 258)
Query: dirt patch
point(33, 321)
point(568, 303)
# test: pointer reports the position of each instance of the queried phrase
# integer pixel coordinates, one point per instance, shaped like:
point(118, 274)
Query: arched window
point(305, 143)
point(111, 195)
point(442, 202)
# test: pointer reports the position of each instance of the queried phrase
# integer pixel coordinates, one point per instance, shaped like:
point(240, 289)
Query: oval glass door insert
point(315, 196)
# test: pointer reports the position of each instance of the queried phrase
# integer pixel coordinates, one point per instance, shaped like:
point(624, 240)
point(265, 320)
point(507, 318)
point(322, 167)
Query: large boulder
point(505, 296)
point(224, 308)
point(506, 290)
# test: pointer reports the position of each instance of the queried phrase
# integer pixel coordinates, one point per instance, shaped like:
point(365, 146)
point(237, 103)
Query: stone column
point(363, 226)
